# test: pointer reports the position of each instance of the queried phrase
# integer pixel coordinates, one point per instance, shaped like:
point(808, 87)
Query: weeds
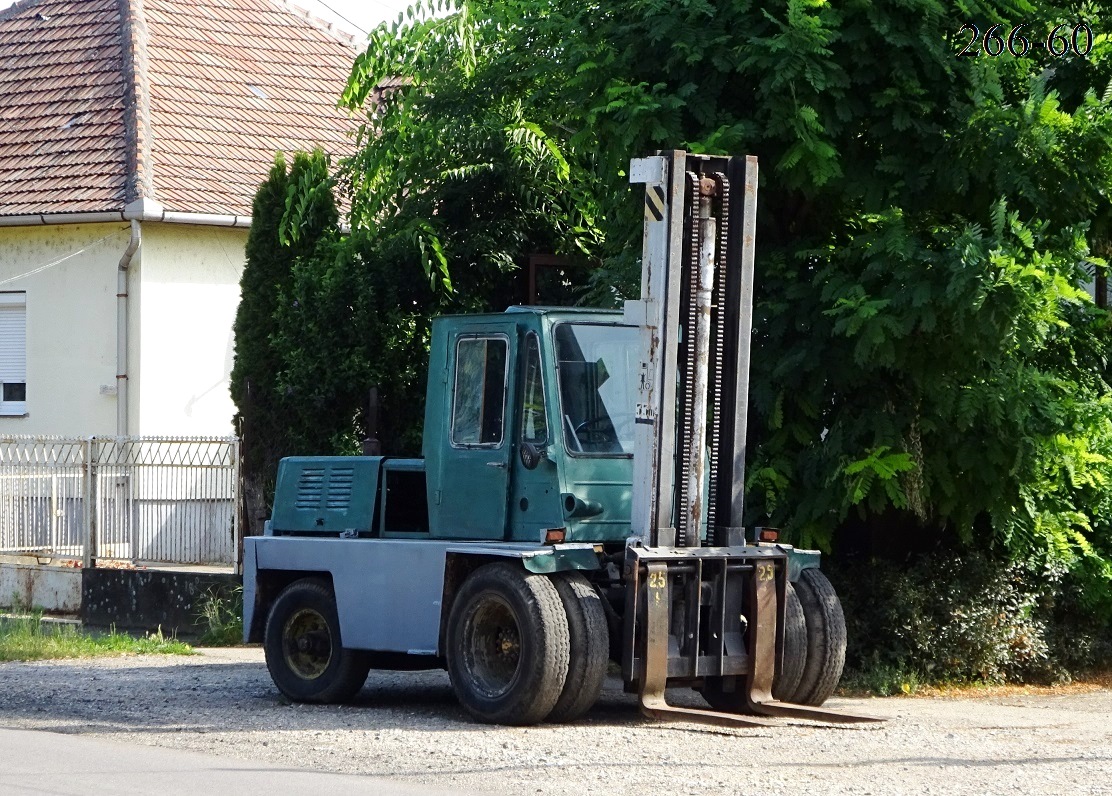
point(880, 680)
point(221, 616)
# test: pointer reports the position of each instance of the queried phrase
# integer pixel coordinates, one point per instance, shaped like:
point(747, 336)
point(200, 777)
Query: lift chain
point(688, 368)
point(717, 350)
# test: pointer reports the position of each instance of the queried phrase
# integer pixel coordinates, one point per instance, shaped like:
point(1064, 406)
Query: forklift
point(579, 500)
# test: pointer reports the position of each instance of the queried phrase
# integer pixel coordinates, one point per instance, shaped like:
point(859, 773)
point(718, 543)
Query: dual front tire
point(824, 654)
point(814, 649)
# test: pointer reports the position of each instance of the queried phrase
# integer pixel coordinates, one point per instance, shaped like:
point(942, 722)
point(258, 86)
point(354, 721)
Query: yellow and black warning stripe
point(654, 203)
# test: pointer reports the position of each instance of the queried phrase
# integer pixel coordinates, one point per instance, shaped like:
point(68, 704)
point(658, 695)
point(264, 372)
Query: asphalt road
point(408, 729)
point(59, 764)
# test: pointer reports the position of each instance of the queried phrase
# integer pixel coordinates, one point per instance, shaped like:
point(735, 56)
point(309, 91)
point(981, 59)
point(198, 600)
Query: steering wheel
point(586, 424)
point(605, 433)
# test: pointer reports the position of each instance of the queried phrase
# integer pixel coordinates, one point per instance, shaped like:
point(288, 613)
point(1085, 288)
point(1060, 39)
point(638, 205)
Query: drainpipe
point(121, 327)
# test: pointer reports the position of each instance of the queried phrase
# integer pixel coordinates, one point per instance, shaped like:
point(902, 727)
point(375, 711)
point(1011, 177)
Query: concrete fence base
point(146, 600)
point(133, 600)
point(55, 590)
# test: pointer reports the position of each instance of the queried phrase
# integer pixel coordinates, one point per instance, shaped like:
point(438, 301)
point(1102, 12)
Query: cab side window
point(480, 392)
point(534, 421)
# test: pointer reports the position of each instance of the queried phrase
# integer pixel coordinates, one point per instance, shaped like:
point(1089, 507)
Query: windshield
point(595, 366)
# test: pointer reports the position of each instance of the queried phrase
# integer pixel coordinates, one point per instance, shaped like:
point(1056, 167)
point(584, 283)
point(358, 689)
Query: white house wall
point(71, 324)
point(188, 291)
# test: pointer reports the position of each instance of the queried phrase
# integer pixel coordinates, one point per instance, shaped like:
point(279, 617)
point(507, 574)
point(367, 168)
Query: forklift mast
point(695, 313)
point(704, 608)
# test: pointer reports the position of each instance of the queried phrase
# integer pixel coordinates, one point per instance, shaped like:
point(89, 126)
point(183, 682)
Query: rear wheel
point(507, 645)
point(826, 638)
point(304, 651)
point(589, 650)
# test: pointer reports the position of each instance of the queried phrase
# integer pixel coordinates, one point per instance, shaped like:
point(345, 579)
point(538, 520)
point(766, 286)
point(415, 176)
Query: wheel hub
point(508, 642)
point(307, 644)
point(493, 650)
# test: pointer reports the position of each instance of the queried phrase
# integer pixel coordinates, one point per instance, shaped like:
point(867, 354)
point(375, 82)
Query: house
point(133, 135)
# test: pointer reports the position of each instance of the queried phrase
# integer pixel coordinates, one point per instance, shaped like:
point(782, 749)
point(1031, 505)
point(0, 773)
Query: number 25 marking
point(765, 572)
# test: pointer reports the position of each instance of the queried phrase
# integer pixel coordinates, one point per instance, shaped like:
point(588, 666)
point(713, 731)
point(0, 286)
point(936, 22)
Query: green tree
point(462, 169)
point(354, 316)
point(270, 254)
point(451, 190)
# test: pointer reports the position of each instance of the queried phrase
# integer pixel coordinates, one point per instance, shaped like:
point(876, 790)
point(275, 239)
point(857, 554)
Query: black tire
point(795, 648)
point(786, 682)
point(507, 645)
point(826, 638)
point(589, 646)
point(304, 651)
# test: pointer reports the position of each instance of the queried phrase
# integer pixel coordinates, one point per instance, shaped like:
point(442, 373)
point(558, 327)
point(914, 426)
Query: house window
point(13, 353)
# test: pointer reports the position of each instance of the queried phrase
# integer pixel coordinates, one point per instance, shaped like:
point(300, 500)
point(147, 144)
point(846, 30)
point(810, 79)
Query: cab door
point(474, 467)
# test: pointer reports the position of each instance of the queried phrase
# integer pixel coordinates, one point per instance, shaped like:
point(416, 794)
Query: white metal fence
point(157, 499)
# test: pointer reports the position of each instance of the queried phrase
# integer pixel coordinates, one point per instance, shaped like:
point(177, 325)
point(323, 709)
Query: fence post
point(135, 479)
point(89, 453)
point(237, 496)
point(86, 501)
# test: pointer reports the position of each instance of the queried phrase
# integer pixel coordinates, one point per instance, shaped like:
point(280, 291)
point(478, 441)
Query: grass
point(26, 638)
point(892, 682)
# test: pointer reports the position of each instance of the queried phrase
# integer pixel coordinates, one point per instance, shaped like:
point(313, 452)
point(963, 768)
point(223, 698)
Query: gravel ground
point(408, 726)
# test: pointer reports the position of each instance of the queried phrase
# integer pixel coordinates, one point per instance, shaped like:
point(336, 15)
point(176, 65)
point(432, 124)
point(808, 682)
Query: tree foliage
point(450, 191)
point(924, 356)
point(923, 350)
point(353, 316)
point(460, 168)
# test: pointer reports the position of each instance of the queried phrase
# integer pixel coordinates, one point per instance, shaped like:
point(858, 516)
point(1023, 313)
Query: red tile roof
point(183, 102)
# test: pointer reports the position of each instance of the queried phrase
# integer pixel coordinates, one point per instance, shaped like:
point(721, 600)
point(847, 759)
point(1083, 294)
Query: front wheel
point(795, 648)
point(303, 648)
point(508, 645)
point(727, 693)
point(826, 638)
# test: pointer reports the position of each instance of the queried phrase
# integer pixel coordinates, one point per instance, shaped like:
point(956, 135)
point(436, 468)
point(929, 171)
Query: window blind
point(13, 337)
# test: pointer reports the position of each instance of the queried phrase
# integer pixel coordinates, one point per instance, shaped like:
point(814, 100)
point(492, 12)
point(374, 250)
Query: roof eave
point(103, 217)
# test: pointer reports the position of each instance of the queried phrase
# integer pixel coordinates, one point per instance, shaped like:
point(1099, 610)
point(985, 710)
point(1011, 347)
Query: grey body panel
point(389, 592)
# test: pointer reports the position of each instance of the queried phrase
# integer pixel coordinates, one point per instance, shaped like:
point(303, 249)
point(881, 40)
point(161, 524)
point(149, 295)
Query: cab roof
point(552, 313)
